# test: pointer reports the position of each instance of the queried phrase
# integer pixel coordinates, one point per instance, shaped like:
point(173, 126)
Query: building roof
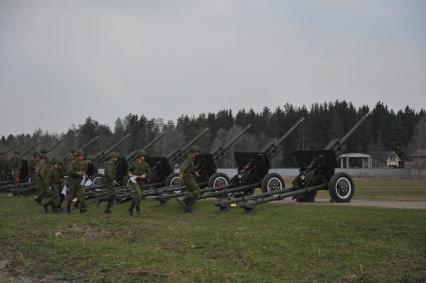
point(419, 153)
point(384, 155)
point(355, 154)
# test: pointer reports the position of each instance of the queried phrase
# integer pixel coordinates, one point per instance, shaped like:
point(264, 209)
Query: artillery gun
point(162, 173)
point(98, 158)
point(162, 167)
point(122, 167)
point(253, 171)
point(316, 172)
point(206, 169)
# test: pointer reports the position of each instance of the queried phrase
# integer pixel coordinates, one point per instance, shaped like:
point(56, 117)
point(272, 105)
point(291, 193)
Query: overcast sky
point(61, 61)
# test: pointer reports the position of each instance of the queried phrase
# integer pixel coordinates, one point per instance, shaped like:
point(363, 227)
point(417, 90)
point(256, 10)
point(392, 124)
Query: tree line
point(385, 129)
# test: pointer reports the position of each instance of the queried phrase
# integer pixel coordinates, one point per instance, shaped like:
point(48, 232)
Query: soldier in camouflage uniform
point(109, 180)
point(75, 176)
point(41, 171)
point(33, 170)
point(187, 172)
point(53, 181)
point(138, 171)
point(16, 165)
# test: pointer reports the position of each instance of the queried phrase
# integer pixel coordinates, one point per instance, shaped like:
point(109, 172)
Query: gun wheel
point(341, 187)
point(272, 182)
point(218, 180)
point(97, 180)
point(174, 180)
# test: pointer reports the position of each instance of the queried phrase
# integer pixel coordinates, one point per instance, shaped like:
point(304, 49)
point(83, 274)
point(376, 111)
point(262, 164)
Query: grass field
point(385, 188)
point(273, 244)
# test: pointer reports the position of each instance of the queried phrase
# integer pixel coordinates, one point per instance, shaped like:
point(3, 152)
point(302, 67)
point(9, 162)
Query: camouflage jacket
point(139, 168)
point(187, 166)
point(110, 170)
point(54, 176)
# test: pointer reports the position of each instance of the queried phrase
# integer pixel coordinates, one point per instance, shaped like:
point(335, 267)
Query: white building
point(355, 160)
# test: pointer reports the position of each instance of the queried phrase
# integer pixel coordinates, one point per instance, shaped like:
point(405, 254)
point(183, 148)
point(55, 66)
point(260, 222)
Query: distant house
point(355, 160)
point(386, 159)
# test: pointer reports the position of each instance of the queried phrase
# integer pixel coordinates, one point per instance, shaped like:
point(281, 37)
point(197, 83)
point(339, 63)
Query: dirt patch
point(8, 274)
point(85, 232)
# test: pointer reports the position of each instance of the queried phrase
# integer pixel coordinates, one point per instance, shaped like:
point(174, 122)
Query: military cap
point(114, 154)
point(195, 148)
point(16, 151)
point(141, 153)
point(53, 161)
point(89, 157)
point(35, 154)
point(43, 151)
point(73, 150)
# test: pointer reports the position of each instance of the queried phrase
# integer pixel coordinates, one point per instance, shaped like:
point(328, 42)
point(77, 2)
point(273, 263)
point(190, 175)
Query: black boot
point(83, 208)
point(131, 211)
point(68, 208)
point(46, 209)
point(38, 200)
point(188, 206)
point(56, 210)
point(108, 210)
point(76, 204)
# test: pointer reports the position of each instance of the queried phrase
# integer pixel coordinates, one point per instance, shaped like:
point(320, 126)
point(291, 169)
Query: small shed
point(355, 160)
point(386, 159)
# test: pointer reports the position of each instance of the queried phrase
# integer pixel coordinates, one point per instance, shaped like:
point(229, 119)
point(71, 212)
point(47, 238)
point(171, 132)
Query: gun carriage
point(253, 171)
point(316, 172)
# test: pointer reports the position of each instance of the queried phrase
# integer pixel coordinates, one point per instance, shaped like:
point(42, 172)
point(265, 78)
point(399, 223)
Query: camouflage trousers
point(75, 191)
point(137, 195)
point(192, 187)
point(52, 196)
point(111, 195)
point(40, 186)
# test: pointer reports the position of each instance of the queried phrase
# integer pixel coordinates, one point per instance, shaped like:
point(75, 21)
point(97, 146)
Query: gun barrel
point(276, 142)
point(109, 150)
point(30, 149)
point(174, 155)
point(89, 143)
point(10, 149)
point(147, 147)
point(333, 143)
point(219, 152)
point(55, 145)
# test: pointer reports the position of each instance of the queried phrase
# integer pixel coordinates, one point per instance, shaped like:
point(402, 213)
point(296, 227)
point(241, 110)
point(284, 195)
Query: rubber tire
point(217, 175)
point(268, 178)
point(332, 184)
point(171, 178)
point(97, 179)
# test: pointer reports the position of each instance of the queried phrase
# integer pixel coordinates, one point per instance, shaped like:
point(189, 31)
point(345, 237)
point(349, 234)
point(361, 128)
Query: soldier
point(75, 176)
point(187, 173)
point(69, 158)
point(16, 165)
point(33, 170)
point(41, 171)
point(138, 171)
point(53, 181)
point(109, 180)
point(2, 166)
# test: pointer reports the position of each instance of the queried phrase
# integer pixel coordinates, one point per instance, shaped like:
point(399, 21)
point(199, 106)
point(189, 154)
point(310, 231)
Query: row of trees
point(385, 129)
